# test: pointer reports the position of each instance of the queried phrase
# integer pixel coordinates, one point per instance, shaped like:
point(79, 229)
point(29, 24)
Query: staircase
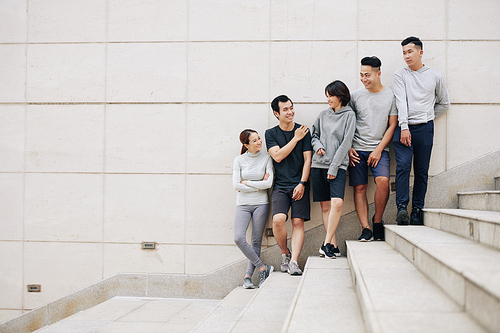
point(441, 277)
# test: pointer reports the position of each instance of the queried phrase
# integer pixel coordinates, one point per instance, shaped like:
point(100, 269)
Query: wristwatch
point(302, 182)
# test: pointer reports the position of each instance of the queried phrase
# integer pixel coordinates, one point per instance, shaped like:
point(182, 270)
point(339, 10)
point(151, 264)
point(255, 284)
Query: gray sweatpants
point(258, 215)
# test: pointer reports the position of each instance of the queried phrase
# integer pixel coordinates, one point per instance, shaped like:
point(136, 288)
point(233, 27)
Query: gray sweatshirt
point(252, 168)
point(421, 95)
point(333, 131)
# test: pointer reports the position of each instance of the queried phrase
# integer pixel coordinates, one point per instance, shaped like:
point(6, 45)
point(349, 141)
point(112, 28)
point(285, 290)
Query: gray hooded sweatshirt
point(421, 95)
point(333, 131)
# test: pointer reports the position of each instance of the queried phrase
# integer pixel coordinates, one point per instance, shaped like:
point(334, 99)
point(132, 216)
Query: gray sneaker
point(293, 268)
point(247, 283)
point(265, 274)
point(285, 261)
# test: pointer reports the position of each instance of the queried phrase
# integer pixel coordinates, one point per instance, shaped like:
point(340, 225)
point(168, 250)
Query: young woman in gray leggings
point(252, 175)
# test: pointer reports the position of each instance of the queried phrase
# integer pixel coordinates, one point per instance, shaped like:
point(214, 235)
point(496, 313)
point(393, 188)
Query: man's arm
point(279, 154)
point(398, 86)
point(375, 155)
point(442, 100)
point(298, 191)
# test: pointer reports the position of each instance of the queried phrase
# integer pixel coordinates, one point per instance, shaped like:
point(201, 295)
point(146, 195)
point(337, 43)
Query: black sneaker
point(336, 251)
point(327, 251)
point(417, 216)
point(366, 235)
point(378, 231)
point(402, 218)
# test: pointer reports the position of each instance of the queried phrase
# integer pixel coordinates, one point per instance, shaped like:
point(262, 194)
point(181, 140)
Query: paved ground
point(133, 314)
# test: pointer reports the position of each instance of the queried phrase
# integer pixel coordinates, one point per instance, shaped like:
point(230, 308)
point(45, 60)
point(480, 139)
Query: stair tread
point(224, 316)
point(325, 299)
point(268, 309)
point(480, 215)
point(478, 263)
point(480, 192)
point(398, 298)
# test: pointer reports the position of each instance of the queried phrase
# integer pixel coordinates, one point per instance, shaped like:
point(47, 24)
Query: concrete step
point(467, 271)
point(267, 310)
point(480, 226)
point(325, 300)
point(396, 297)
point(480, 200)
point(224, 316)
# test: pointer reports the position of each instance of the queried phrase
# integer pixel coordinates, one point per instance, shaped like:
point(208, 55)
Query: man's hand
point(328, 176)
point(374, 158)
point(298, 192)
point(301, 132)
point(406, 138)
point(320, 151)
point(353, 157)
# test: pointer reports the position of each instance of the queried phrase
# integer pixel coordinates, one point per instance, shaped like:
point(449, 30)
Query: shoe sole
point(365, 240)
point(249, 287)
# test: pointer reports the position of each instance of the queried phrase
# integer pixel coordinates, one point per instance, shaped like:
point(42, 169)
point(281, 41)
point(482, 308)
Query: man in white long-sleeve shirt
point(421, 96)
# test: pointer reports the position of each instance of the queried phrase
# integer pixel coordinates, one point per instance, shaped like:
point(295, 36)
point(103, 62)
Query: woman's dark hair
point(244, 138)
point(339, 89)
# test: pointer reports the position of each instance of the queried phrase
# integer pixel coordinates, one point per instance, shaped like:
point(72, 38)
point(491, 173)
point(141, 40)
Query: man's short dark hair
point(373, 61)
point(275, 103)
point(414, 40)
point(339, 89)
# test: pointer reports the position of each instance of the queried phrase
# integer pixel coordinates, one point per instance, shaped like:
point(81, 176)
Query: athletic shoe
point(417, 216)
point(285, 261)
point(402, 217)
point(336, 251)
point(265, 274)
point(293, 268)
point(327, 251)
point(247, 283)
point(379, 231)
point(366, 235)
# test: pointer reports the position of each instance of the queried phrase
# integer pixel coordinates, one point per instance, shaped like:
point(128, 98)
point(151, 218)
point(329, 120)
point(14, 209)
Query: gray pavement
point(136, 315)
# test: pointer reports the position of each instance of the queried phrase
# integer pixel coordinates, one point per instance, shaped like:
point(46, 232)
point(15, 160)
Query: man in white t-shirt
point(376, 120)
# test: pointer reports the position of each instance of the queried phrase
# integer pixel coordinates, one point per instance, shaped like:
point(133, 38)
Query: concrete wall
point(119, 119)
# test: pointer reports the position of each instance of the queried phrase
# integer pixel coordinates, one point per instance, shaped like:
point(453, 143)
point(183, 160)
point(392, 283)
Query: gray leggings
point(258, 215)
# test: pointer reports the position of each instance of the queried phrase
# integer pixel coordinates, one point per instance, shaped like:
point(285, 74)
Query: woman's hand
point(266, 177)
point(320, 151)
point(244, 182)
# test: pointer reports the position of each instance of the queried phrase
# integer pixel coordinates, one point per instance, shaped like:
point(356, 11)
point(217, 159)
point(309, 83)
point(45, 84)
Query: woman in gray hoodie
point(332, 135)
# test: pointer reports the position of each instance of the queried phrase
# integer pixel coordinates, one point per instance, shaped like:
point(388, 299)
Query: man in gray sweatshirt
point(421, 96)
point(376, 120)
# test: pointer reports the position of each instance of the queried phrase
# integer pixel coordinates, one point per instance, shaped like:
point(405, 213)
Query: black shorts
point(282, 202)
point(324, 189)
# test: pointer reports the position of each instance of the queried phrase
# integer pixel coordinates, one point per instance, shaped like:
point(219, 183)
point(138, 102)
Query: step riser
point(479, 201)
point(466, 293)
point(476, 230)
point(497, 183)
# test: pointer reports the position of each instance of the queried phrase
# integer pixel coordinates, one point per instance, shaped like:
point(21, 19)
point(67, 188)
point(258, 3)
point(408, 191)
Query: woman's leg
point(333, 219)
point(241, 222)
point(259, 219)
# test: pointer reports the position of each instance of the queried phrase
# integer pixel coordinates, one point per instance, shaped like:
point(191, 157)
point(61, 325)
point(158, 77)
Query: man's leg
point(404, 155)
point(381, 197)
point(361, 204)
point(334, 218)
point(298, 235)
point(423, 138)
point(279, 231)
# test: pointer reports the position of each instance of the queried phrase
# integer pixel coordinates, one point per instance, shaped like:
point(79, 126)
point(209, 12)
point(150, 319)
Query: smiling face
point(254, 144)
point(412, 55)
point(286, 114)
point(333, 101)
point(370, 77)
